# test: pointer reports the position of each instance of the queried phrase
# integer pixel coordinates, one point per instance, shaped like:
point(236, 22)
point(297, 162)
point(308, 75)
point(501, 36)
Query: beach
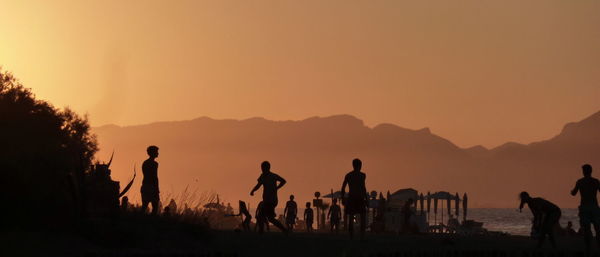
point(231, 243)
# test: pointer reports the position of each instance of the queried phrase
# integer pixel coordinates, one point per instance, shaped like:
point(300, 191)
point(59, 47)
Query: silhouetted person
point(407, 214)
point(356, 202)
point(545, 216)
point(270, 182)
point(309, 217)
point(569, 229)
point(589, 212)
point(334, 215)
point(124, 203)
point(246, 216)
point(261, 220)
point(290, 213)
point(150, 192)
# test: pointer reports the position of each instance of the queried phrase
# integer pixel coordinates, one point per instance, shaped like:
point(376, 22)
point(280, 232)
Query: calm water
point(505, 220)
point(513, 222)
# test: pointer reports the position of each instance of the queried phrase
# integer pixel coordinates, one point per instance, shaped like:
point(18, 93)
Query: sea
point(514, 222)
point(509, 221)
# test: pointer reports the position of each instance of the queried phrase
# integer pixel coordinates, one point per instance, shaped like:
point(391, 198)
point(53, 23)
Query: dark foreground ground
point(228, 243)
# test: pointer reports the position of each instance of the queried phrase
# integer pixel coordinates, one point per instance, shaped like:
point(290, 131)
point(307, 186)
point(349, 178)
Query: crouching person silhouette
point(270, 182)
point(545, 216)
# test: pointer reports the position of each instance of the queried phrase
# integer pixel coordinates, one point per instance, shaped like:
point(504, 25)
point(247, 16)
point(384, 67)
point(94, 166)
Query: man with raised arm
point(270, 182)
point(356, 202)
point(589, 212)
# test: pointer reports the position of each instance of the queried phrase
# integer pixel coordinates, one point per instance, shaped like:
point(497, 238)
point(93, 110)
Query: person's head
point(152, 151)
point(292, 197)
point(334, 201)
point(587, 170)
point(307, 204)
point(242, 205)
point(524, 196)
point(265, 166)
point(357, 164)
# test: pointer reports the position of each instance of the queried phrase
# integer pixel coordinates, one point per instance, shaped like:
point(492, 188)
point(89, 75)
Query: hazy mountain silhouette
point(315, 153)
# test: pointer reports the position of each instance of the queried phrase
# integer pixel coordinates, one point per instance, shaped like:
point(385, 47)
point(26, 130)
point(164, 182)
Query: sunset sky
point(475, 72)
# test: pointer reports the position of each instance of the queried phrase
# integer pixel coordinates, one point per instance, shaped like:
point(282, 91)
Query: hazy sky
point(475, 72)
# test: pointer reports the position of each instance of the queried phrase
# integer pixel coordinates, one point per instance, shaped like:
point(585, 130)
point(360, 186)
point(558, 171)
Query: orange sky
point(475, 72)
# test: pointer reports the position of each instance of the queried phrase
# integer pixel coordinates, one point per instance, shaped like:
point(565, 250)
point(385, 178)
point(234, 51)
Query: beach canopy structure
point(443, 195)
point(337, 194)
point(449, 206)
point(405, 194)
point(457, 204)
point(465, 200)
point(421, 203)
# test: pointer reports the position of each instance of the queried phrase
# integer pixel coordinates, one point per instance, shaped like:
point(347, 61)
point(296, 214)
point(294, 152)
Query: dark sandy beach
point(228, 243)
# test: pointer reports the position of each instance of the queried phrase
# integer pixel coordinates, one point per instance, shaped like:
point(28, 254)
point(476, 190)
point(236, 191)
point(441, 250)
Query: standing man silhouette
point(150, 192)
point(589, 212)
point(334, 215)
point(290, 213)
point(270, 182)
point(357, 200)
point(308, 217)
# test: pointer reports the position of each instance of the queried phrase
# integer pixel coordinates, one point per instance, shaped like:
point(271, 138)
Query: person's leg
point(555, 218)
point(261, 225)
point(155, 207)
point(585, 223)
point(350, 219)
point(363, 224)
point(543, 231)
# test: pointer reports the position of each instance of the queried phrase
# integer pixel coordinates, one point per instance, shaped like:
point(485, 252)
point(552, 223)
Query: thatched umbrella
point(449, 205)
point(457, 203)
point(428, 205)
point(465, 200)
point(421, 201)
point(435, 203)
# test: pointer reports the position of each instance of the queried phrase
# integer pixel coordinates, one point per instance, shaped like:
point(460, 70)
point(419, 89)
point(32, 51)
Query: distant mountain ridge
point(314, 154)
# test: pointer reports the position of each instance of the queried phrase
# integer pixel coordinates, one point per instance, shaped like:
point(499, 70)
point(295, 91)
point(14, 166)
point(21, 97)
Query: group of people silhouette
point(355, 203)
point(546, 214)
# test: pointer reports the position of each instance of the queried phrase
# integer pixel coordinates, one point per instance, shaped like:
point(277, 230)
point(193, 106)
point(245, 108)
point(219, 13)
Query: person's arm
point(285, 211)
point(365, 187)
point(255, 188)
point(329, 213)
point(305, 211)
point(281, 182)
point(576, 189)
point(343, 191)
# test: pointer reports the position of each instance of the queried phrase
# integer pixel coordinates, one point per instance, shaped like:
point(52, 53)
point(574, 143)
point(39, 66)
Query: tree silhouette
point(44, 153)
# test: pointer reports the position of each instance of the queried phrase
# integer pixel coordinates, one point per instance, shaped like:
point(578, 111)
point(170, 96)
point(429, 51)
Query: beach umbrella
point(457, 205)
point(435, 201)
point(465, 207)
point(337, 194)
point(449, 205)
point(421, 201)
point(428, 205)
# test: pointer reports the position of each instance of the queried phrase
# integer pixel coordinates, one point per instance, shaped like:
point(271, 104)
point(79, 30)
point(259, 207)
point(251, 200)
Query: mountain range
point(314, 154)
